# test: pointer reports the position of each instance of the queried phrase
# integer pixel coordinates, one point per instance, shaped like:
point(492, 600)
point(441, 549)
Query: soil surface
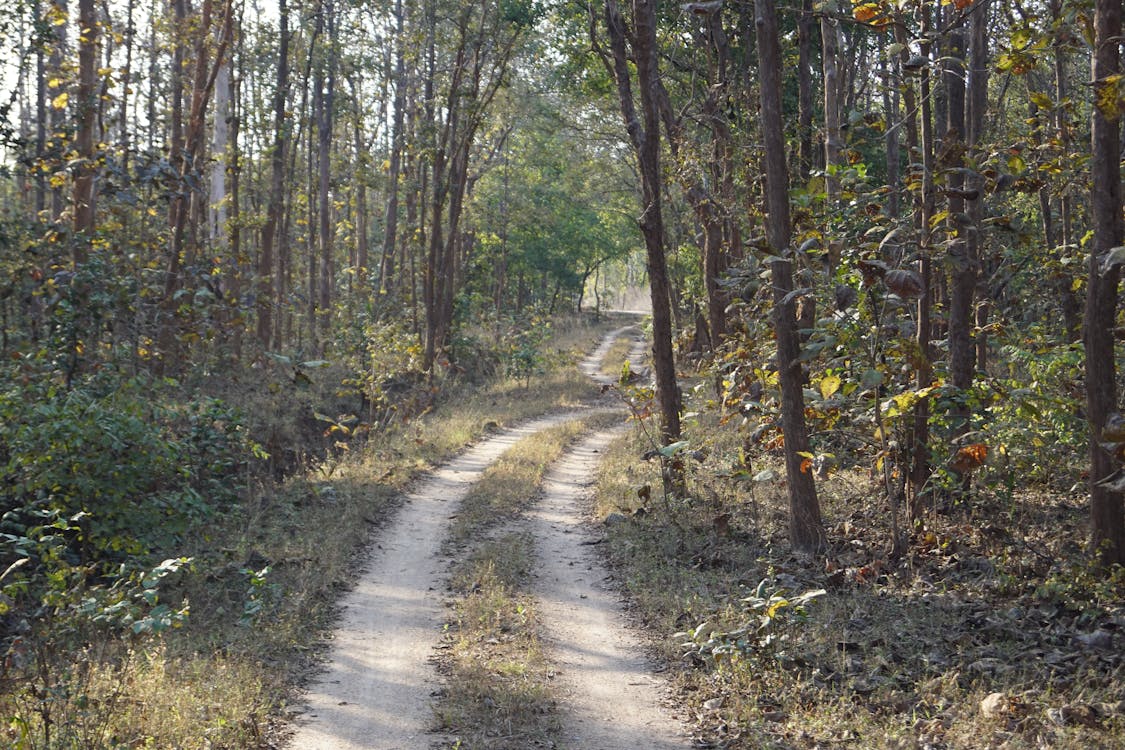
point(610, 695)
point(375, 692)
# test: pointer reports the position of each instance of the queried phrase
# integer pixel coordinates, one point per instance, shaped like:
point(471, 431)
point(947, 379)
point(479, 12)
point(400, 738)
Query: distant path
point(376, 690)
point(592, 365)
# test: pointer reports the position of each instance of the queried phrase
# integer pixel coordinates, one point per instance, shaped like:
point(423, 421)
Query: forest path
point(608, 690)
point(376, 689)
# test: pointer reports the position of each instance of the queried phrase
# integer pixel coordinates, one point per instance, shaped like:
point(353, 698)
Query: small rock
point(996, 704)
point(615, 518)
point(1075, 714)
point(1099, 640)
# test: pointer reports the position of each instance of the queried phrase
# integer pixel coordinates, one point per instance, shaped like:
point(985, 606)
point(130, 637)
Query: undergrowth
point(993, 631)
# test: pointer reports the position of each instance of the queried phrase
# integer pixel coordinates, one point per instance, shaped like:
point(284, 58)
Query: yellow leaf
point(829, 384)
point(59, 102)
point(775, 607)
point(54, 83)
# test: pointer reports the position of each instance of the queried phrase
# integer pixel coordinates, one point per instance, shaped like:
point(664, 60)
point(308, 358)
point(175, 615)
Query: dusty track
point(375, 692)
point(610, 695)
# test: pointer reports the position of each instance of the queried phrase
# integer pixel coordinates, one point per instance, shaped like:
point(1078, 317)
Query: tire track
point(375, 691)
point(609, 694)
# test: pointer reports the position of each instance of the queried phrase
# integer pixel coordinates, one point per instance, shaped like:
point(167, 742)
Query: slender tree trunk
point(362, 247)
point(40, 120)
point(324, 164)
point(390, 221)
point(962, 264)
point(806, 531)
point(644, 134)
point(265, 282)
point(87, 109)
point(977, 95)
point(833, 142)
point(1107, 513)
point(57, 115)
point(1071, 305)
point(805, 29)
point(220, 142)
point(921, 139)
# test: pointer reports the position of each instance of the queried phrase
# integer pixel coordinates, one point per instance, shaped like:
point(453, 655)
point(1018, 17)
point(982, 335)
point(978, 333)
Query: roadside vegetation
point(199, 635)
point(995, 630)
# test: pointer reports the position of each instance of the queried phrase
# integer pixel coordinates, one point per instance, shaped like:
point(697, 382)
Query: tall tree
point(644, 135)
point(806, 531)
point(266, 271)
point(390, 219)
point(1107, 513)
point(961, 263)
point(87, 110)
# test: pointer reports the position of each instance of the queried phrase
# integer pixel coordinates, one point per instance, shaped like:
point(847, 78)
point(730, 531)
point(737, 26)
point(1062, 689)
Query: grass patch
point(992, 632)
point(511, 484)
point(498, 693)
point(618, 354)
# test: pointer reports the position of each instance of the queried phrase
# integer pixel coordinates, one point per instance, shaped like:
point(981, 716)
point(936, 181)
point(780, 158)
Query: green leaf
point(872, 378)
point(673, 448)
point(1041, 100)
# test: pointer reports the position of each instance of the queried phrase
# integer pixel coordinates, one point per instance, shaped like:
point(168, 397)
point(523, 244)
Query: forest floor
point(540, 591)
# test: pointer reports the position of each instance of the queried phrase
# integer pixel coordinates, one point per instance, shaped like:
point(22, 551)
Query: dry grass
point(616, 357)
point(497, 690)
point(994, 597)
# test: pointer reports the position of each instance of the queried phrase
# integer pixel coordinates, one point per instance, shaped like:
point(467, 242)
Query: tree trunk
point(87, 109)
point(220, 142)
point(806, 531)
point(265, 282)
point(977, 94)
point(805, 30)
point(324, 187)
point(644, 134)
point(830, 39)
point(962, 264)
point(920, 432)
point(1107, 513)
point(390, 223)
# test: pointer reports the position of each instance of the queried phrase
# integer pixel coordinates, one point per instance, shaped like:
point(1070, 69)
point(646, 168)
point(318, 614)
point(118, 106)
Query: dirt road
point(376, 690)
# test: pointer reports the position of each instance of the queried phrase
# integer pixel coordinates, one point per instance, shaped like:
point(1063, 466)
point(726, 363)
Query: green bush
point(127, 476)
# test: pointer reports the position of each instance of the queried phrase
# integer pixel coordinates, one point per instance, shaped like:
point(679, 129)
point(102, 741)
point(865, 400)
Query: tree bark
point(390, 222)
point(324, 176)
point(806, 531)
point(87, 109)
point(1107, 514)
point(805, 30)
point(962, 265)
point(830, 41)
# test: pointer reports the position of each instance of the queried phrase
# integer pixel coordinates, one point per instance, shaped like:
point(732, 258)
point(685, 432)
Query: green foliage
point(132, 475)
point(774, 619)
point(525, 356)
